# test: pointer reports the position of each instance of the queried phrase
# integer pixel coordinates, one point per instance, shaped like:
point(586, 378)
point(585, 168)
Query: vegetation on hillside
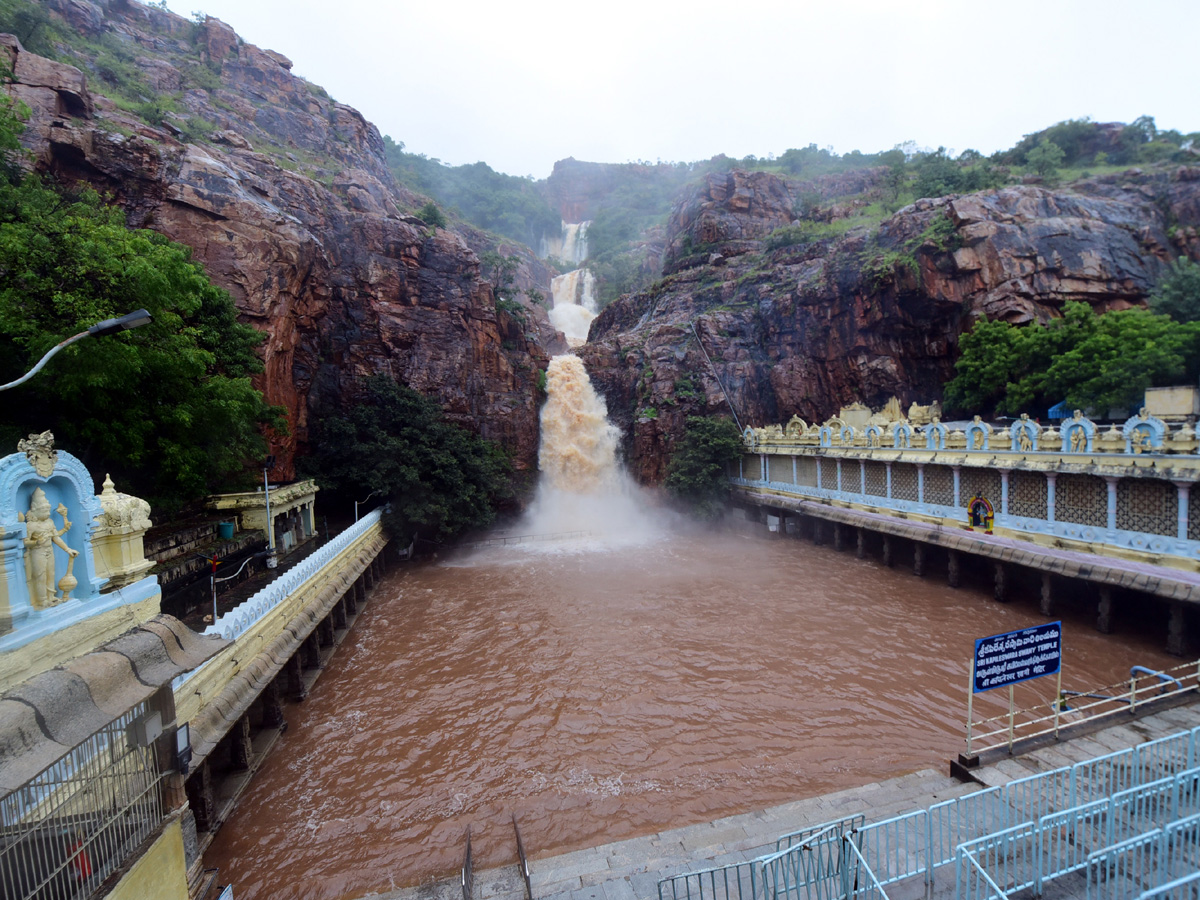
point(1091, 361)
point(698, 472)
point(439, 479)
point(168, 409)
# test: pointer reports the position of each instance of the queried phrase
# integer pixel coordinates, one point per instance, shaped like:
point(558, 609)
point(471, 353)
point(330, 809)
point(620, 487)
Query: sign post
point(1003, 660)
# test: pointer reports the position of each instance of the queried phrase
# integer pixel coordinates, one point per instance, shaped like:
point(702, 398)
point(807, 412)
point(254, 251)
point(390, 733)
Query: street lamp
point(135, 319)
point(272, 562)
point(357, 502)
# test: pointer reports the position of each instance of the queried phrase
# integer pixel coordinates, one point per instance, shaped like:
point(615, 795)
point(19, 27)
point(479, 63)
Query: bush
point(697, 473)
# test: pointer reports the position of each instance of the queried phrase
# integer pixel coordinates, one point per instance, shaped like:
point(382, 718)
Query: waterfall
point(574, 305)
point(582, 486)
point(570, 244)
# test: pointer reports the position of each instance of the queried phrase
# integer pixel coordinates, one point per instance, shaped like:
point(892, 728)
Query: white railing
point(242, 617)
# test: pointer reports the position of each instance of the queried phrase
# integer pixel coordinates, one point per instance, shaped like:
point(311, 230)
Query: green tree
point(169, 408)
point(1088, 360)
point(1178, 295)
point(1045, 158)
point(440, 479)
point(697, 472)
point(430, 214)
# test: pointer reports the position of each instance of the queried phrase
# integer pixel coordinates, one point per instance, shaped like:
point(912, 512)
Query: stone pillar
point(295, 675)
point(860, 549)
point(918, 558)
point(764, 471)
point(339, 613)
point(200, 797)
point(794, 481)
point(888, 466)
point(957, 472)
point(741, 473)
point(1050, 478)
point(1047, 602)
point(817, 534)
point(272, 706)
point(241, 750)
point(1111, 481)
point(1000, 582)
point(351, 599)
point(862, 476)
point(1004, 476)
point(1176, 630)
point(312, 650)
point(952, 573)
point(369, 577)
point(1184, 488)
point(920, 484)
point(839, 474)
point(887, 550)
point(837, 537)
point(819, 482)
point(1104, 612)
point(324, 631)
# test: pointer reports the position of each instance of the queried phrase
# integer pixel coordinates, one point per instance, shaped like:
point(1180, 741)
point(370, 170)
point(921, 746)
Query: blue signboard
point(1004, 659)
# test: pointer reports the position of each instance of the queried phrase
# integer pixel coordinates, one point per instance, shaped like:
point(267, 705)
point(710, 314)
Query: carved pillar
point(325, 631)
point(1176, 630)
point(952, 573)
point(272, 706)
point(295, 675)
point(339, 613)
point(956, 470)
point(1004, 476)
point(837, 537)
point(918, 558)
point(1111, 481)
point(860, 549)
point(1050, 479)
point(200, 797)
point(920, 485)
point(1104, 612)
point(1000, 582)
point(887, 550)
point(1047, 601)
point(839, 474)
point(1184, 488)
point(241, 750)
point(888, 466)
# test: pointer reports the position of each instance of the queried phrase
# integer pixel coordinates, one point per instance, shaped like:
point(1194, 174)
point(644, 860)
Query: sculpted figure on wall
point(39, 450)
point(41, 538)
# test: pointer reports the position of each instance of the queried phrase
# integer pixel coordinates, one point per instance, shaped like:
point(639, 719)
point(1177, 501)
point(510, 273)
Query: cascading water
point(582, 486)
point(574, 304)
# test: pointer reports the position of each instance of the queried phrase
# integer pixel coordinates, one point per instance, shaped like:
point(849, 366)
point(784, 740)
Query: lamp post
point(357, 502)
point(272, 562)
point(135, 319)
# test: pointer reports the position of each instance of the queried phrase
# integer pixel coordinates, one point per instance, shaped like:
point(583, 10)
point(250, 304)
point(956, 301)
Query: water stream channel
point(649, 677)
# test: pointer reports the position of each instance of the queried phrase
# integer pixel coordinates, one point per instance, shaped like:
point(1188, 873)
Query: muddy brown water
point(601, 692)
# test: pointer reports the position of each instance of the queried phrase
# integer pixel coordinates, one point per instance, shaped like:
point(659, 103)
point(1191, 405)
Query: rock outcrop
point(807, 328)
point(286, 198)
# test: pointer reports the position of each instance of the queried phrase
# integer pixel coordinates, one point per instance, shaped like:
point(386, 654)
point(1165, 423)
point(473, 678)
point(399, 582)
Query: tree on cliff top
point(167, 409)
point(1091, 361)
point(1178, 295)
point(697, 472)
point(440, 479)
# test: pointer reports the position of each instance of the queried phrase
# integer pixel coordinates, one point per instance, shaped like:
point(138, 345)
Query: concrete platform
point(631, 869)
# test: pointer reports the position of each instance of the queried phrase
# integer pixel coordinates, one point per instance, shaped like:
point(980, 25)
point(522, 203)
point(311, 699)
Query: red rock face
point(315, 250)
point(805, 329)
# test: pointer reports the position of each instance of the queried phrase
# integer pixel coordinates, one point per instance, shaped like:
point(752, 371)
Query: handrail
point(468, 870)
point(523, 859)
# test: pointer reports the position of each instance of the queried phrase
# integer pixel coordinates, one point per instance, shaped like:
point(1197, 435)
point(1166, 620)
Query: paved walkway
point(631, 869)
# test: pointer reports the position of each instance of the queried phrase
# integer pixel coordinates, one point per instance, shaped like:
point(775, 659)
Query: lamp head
point(135, 319)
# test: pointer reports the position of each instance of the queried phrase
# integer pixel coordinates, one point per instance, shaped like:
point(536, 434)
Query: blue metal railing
point(1000, 839)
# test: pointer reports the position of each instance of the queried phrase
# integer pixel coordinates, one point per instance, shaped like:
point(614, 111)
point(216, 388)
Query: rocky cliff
point(806, 327)
point(285, 197)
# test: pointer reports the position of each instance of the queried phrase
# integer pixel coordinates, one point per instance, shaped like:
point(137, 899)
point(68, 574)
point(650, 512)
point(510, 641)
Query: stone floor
point(631, 869)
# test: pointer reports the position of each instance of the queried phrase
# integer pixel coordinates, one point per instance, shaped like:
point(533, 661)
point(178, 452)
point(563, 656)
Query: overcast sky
point(522, 84)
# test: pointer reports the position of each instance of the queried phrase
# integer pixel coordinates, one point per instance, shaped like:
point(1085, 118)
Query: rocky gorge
point(287, 200)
